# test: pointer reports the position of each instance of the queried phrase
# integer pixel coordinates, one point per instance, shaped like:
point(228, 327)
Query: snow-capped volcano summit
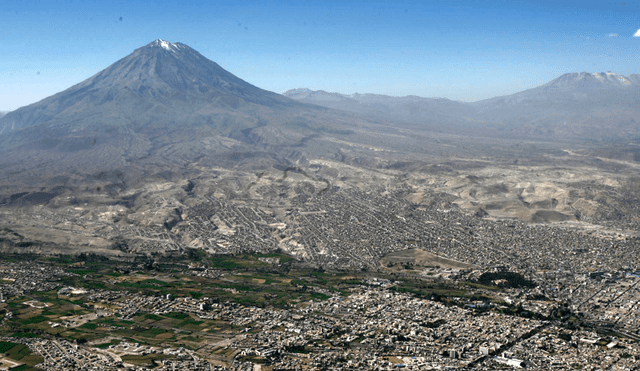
point(587, 80)
point(166, 45)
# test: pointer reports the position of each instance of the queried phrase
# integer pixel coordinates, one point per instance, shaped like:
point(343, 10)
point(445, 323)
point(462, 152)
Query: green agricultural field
point(246, 281)
point(20, 353)
point(153, 332)
point(5, 346)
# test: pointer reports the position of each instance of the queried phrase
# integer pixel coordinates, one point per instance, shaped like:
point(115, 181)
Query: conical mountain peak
point(158, 77)
point(159, 43)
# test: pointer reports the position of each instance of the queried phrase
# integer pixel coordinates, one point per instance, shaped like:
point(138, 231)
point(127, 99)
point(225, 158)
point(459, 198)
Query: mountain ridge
point(573, 106)
point(603, 78)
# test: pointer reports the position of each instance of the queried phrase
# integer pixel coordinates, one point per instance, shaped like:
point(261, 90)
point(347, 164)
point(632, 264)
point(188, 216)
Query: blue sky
point(465, 50)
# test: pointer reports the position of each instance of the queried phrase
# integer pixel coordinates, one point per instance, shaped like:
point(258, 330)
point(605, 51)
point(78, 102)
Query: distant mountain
point(574, 105)
point(594, 106)
point(411, 110)
point(312, 96)
point(588, 81)
point(601, 89)
point(2, 113)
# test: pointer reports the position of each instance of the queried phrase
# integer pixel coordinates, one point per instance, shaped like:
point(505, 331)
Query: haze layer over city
point(320, 186)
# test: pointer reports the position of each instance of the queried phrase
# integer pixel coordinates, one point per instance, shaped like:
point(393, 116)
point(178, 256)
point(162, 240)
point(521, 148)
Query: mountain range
point(591, 106)
point(165, 107)
point(409, 109)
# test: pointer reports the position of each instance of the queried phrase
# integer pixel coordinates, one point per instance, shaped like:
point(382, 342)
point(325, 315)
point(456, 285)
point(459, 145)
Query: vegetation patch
point(177, 315)
point(5, 346)
point(25, 335)
point(20, 353)
point(89, 326)
point(152, 332)
point(146, 360)
point(32, 320)
point(154, 317)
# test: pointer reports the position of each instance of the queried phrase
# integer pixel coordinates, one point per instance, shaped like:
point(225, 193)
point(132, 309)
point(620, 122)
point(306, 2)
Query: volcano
point(164, 104)
point(161, 85)
point(579, 106)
